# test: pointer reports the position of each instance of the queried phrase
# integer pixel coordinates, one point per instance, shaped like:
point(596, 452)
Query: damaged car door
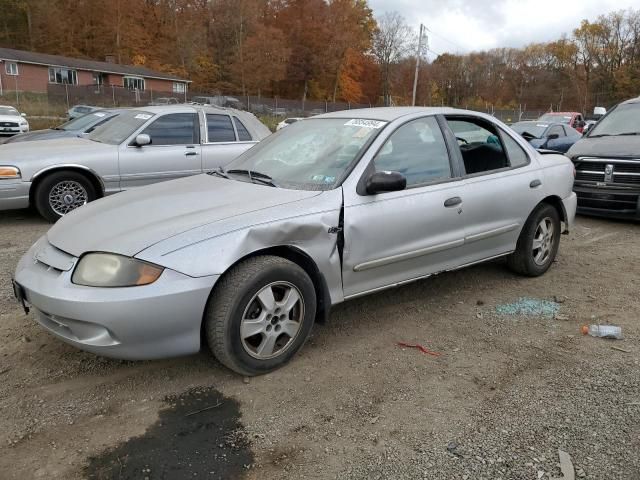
point(397, 232)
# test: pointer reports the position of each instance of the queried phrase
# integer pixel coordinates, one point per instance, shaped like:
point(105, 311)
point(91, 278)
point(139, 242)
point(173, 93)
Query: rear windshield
point(623, 120)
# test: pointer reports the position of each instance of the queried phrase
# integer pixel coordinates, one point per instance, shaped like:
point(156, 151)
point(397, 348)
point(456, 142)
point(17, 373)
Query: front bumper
point(10, 131)
point(159, 320)
point(611, 202)
point(14, 194)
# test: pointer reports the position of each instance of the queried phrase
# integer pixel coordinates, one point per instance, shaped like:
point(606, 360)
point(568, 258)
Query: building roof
point(24, 56)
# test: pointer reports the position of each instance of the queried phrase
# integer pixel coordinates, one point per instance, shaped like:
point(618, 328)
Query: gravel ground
point(507, 391)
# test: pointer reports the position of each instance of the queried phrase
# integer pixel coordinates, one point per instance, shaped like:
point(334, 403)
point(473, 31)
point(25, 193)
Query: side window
point(479, 145)
point(418, 151)
point(558, 130)
point(219, 128)
point(174, 129)
point(517, 155)
point(243, 133)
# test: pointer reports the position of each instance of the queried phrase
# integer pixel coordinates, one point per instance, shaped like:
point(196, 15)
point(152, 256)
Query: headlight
point(23, 123)
point(110, 270)
point(9, 172)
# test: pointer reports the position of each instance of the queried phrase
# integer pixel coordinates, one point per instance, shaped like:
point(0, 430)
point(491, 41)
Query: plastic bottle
point(603, 331)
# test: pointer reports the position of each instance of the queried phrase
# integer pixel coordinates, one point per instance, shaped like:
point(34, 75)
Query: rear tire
point(538, 242)
point(61, 193)
point(260, 314)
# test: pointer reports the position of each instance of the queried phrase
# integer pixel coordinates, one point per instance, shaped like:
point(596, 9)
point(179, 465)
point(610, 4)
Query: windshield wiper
point(630, 133)
point(254, 176)
point(219, 172)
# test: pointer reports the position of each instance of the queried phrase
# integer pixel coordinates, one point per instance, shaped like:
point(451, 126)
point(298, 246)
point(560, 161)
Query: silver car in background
point(77, 127)
point(328, 209)
point(140, 147)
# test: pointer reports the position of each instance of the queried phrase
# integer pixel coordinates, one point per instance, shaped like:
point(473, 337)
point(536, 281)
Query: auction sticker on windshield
point(143, 116)
point(361, 122)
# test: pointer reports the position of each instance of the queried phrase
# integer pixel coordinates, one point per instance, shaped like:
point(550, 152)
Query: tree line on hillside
point(329, 50)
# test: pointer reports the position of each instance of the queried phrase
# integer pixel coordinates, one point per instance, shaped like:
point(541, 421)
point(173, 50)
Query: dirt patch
point(512, 385)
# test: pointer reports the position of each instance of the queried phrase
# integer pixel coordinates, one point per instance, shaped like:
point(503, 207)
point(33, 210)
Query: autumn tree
point(392, 40)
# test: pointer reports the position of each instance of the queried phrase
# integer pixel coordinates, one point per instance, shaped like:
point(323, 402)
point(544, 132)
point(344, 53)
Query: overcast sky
point(466, 25)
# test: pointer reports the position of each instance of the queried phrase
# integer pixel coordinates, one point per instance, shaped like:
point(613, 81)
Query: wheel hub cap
point(543, 241)
point(66, 196)
point(272, 320)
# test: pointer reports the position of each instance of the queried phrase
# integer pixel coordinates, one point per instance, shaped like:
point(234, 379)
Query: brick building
point(35, 72)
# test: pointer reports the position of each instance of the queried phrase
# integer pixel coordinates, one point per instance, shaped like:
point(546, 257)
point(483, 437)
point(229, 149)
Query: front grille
point(607, 200)
point(589, 177)
point(623, 171)
point(8, 124)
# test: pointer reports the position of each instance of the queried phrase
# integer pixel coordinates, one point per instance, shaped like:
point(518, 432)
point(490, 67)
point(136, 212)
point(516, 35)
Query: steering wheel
point(462, 140)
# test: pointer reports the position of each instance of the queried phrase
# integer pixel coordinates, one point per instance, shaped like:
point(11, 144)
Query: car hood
point(63, 148)
point(47, 134)
point(11, 118)
point(617, 146)
point(131, 221)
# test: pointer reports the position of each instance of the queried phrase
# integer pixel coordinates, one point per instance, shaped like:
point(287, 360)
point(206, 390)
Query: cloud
point(467, 25)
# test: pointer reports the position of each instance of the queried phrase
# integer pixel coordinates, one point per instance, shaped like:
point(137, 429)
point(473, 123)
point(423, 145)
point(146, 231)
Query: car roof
point(389, 114)
point(8, 106)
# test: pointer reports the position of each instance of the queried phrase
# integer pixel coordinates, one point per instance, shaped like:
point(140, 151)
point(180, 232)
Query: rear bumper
point(159, 320)
point(14, 194)
point(608, 202)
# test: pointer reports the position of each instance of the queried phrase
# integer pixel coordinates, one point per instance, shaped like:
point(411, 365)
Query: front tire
point(538, 242)
point(62, 192)
point(260, 314)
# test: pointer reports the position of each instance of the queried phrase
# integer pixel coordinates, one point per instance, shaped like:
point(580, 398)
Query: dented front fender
point(310, 225)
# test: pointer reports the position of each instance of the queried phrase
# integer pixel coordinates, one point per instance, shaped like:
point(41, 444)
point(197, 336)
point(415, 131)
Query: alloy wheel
point(272, 320)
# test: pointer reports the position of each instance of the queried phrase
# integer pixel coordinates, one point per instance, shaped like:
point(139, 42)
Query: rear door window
point(480, 145)
point(219, 128)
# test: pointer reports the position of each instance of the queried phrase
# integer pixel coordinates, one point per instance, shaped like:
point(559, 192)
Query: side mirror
point(23, 114)
point(142, 140)
point(385, 181)
point(553, 136)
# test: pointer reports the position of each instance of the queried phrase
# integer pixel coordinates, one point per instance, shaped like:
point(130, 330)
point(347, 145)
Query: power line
point(445, 39)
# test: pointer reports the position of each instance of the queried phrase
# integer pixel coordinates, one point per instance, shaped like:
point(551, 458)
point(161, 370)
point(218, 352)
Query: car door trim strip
point(491, 233)
point(408, 255)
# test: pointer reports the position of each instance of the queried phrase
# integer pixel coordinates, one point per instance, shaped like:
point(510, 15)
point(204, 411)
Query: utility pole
point(415, 76)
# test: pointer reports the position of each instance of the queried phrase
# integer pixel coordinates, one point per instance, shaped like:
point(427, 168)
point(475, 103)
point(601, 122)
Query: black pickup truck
point(607, 162)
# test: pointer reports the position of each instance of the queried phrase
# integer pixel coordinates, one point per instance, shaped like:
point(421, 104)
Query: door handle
point(452, 202)
point(535, 183)
point(190, 154)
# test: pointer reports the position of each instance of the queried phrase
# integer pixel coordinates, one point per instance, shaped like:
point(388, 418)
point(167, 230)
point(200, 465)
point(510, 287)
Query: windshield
point(114, 133)
point(9, 111)
point(624, 119)
point(311, 155)
point(80, 124)
point(535, 129)
point(555, 117)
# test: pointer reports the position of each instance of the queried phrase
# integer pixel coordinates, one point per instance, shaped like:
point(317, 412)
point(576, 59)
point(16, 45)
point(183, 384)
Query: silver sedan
point(329, 209)
point(139, 147)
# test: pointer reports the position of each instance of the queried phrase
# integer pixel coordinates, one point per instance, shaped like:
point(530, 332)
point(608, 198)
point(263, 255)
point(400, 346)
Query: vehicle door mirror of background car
point(142, 140)
point(553, 136)
point(23, 114)
point(385, 181)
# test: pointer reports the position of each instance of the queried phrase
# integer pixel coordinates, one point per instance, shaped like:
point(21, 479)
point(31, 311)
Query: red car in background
point(573, 119)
